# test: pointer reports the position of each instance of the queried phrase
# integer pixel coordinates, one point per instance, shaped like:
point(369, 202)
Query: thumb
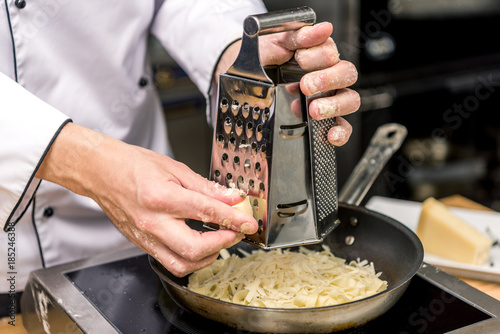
point(231, 196)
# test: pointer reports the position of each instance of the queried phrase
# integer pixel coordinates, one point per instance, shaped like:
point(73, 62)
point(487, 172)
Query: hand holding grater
point(266, 145)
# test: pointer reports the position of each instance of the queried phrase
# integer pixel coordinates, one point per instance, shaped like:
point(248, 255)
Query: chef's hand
point(316, 52)
point(147, 196)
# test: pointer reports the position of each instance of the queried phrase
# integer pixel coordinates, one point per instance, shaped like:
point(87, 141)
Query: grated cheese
point(286, 279)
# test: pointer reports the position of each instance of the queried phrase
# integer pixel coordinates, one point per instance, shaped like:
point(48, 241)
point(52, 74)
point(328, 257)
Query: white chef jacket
point(86, 61)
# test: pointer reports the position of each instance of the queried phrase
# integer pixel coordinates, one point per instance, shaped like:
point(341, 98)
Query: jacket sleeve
point(28, 127)
point(195, 33)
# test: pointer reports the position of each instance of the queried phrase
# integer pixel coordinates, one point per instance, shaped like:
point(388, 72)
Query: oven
point(433, 66)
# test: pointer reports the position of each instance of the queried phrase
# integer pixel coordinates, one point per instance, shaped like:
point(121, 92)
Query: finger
point(196, 182)
point(179, 266)
point(339, 134)
point(153, 239)
point(191, 245)
point(195, 205)
point(279, 48)
point(341, 75)
point(307, 36)
point(344, 102)
point(318, 57)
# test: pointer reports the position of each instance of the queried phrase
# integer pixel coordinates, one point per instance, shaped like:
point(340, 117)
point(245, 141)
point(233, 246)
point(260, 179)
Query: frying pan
point(394, 249)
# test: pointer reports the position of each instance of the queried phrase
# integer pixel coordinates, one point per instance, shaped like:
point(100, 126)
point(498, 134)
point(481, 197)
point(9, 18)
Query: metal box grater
point(266, 145)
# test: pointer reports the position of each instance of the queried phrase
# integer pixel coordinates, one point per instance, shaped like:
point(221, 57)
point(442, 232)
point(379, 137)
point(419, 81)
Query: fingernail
point(313, 84)
point(247, 228)
point(338, 136)
point(327, 109)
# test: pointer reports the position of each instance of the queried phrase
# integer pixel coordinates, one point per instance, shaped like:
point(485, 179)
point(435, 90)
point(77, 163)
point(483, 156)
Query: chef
point(78, 111)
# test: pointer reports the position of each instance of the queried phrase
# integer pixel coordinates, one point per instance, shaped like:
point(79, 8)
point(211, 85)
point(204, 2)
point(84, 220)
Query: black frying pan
point(393, 248)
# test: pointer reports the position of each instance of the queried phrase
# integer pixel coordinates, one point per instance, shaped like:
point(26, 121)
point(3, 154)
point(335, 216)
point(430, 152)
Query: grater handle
point(248, 64)
point(278, 21)
point(387, 140)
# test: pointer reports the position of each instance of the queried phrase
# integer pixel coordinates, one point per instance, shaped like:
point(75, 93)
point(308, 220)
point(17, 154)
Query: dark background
point(433, 66)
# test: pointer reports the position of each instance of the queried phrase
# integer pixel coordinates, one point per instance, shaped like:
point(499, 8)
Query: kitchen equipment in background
point(385, 142)
point(431, 66)
point(266, 145)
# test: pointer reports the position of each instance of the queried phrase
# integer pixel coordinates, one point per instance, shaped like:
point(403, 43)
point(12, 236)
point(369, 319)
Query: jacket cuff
point(29, 191)
point(28, 127)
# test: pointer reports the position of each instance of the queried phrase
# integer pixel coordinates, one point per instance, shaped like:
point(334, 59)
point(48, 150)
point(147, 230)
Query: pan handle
point(387, 140)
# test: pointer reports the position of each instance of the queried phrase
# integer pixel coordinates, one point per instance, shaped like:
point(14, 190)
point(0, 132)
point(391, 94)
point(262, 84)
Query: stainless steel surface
point(52, 304)
point(387, 140)
point(248, 64)
point(266, 145)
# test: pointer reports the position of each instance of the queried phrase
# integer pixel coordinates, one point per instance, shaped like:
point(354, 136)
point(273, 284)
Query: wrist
point(72, 158)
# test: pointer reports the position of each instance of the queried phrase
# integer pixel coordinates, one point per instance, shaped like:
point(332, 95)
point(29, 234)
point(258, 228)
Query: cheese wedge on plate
point(444, 234)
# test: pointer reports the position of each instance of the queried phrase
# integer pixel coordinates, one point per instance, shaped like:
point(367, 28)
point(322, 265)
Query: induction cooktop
point(120, 293)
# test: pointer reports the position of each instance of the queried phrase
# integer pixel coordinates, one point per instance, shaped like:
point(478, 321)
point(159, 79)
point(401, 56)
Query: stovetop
point(120, 293)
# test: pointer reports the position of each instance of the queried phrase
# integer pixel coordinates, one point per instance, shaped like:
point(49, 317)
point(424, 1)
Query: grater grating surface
point(266, 145)
point(324, 175)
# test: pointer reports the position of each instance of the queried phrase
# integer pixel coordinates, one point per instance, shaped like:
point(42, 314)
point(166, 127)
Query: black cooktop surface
point(129, 294)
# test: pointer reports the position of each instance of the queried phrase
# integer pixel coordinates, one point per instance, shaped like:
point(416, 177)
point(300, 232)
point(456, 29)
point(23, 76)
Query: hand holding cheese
point(446, 235)
point(151, 207)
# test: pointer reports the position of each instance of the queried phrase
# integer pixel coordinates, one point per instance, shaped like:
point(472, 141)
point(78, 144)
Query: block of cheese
point(444, 234)
point(244, 205)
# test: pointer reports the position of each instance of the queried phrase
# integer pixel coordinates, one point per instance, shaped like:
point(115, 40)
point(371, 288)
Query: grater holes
point(245, 110)
point(225, 159)
point(263, 150)
point(257, 168)
point(247, 166)
point(235, 106)
point(258, 135)
point(254, 148)
point(229, 180)
point(266, 114)
point(261, 226)
point(324, 169)
point(232, 143)
point(249, 131)
point(256, 113)
point(239, 127)
point(240, 183)
point(220, 141)
point(223, 105)
point(227, 125)
point(243, 146)
point(236, 162)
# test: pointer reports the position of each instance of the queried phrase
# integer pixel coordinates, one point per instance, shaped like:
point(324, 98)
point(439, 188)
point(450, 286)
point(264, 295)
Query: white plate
point(408, 213)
